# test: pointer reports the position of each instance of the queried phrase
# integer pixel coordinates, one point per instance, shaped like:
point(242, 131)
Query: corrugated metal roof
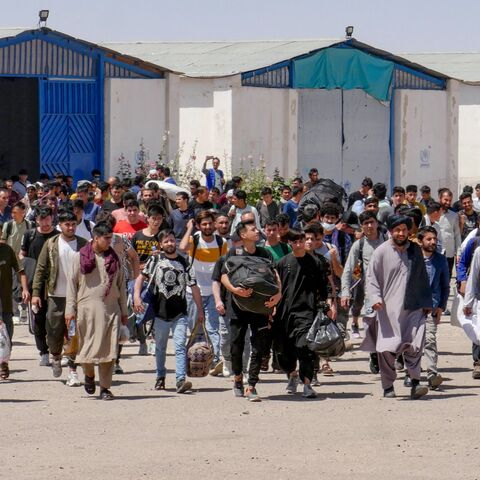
point(462, 66)
point(11, 32)
point(219, 59)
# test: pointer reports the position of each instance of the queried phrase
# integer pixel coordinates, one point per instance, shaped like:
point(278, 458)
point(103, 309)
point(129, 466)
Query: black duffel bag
point(256, 273)
point(325, 191)
point(324, 337)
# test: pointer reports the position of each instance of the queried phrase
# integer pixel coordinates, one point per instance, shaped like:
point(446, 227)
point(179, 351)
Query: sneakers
point(217, 369)
point(389, 393)
point(251, 394)
point(56, 367)
point(315, 381)
point(106, 394)
point(143, 350)
point(160, 383)
point(355, 331)
point(292, 384)
point(238, 386)
point(44, 360)
point(308, 391)
point(327, 370)
point(434, 381)
point(117, 369)
point(407, 381)
point(476, 371)
point(417, 390)
point(64, 362)
point(183, 386)
point(227, 368)
point(72, 380)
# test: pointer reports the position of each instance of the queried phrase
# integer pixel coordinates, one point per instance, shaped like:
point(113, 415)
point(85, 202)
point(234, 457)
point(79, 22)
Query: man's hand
point(36, 301)
point(68, 319)
point(220, 308)
point(243, 292)
point(437, 315)
point(25, 296)
point(461, 288)
point(124, 319)
point(138, 306)
point(201, 316)
point(377, 306)
point(345, 302)
point(190, 224)
point(332, 313)
point(333, 253)
point(467, 311)
point(273, 300)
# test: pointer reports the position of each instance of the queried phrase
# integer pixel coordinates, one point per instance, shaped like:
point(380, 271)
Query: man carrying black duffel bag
point(240, 319)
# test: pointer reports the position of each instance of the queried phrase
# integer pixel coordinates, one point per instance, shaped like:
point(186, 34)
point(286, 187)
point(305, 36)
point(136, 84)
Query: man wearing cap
point(398, 289)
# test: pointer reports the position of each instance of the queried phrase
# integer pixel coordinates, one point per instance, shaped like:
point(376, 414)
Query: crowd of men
point(82, 257)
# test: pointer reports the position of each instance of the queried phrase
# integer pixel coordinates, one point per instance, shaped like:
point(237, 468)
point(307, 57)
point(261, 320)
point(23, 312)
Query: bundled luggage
point(199, 352)
point(256, 273)
point(325, 191)
point(324, 337)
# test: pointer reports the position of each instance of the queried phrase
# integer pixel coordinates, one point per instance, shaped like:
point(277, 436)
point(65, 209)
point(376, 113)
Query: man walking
point(437, 270)
point(399, 292)
point(170, 274)
point(50, 288)
point(304, 285)
point(97, 302)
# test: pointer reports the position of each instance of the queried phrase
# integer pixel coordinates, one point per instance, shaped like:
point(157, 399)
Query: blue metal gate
point(69, 122)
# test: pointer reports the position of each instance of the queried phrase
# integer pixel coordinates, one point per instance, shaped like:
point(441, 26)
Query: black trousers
point(292, 346)
point(451, 263)
point(475, 353)
point(40, 329)
point(258, 340)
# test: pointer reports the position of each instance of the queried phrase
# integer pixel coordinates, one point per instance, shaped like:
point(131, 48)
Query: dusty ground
point(50, 431)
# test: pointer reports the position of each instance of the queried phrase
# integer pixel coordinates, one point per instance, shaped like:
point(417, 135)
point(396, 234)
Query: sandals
point(4, 371)
point(106, 394)
point(89, 385)
point(160, 383)
point(327, 370)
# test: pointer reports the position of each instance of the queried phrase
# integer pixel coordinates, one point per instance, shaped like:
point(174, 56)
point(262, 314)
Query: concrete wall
point(134, 109)
point(264, 124)
point(422, 151)
point(464, 103)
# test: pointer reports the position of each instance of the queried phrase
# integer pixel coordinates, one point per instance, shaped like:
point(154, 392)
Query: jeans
point(135, 330)
point(212, 322)
point(178, 326)
point(226, 342)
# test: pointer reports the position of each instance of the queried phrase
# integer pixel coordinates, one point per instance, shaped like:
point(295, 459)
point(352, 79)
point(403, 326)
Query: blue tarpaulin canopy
point(345, 68)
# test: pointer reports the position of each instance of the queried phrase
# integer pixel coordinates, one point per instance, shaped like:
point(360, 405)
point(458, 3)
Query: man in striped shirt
point(204, 249)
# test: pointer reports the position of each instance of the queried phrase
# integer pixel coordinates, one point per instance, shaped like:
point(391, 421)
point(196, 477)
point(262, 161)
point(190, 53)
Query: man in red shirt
point(133, 223)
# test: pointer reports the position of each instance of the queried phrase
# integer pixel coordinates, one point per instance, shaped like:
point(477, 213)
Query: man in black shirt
point(116, 201)
point(361, 193)
point(201, 201)
point(32, 243)
point(171, 275)
point(469, 218)
point(304, 286)
point(240, 319)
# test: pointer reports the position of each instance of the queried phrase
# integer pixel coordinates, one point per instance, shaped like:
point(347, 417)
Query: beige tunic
point(98, 318)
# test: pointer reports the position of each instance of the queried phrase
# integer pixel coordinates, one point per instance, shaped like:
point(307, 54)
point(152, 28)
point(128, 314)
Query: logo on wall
point(425, 158)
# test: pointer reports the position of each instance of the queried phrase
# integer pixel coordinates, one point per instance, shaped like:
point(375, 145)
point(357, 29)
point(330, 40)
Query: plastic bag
point(324, 337)
point(5, 345)
point(123, 335)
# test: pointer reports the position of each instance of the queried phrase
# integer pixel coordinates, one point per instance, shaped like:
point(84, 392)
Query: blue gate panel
point(69, 127)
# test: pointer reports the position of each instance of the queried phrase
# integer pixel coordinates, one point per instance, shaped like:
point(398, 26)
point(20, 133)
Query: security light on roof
point(349, 31)
point(43, 16)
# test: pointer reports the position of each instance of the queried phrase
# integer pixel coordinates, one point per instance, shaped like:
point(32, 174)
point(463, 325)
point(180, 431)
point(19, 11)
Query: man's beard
point(169, 250)
point(400, 243)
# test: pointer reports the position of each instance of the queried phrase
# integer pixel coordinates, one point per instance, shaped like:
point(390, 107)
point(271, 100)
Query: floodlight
point(43, 16)
point(349, 31)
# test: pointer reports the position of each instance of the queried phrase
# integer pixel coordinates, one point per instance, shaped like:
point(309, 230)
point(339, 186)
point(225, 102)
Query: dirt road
point(52, 432)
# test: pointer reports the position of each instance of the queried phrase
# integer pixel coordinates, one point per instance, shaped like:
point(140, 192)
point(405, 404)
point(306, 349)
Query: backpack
point(256, 273)
point(196, 241)
point(9, 227)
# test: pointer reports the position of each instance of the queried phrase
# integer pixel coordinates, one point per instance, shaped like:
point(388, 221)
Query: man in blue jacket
point(438, 274)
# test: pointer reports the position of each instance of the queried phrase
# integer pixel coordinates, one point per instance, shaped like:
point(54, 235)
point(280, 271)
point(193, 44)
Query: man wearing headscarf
point(398, 289)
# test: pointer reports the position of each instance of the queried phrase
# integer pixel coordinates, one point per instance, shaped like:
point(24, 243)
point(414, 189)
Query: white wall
point(134, 109)
point(465, 115)
point(264, 129)
point(421, 148)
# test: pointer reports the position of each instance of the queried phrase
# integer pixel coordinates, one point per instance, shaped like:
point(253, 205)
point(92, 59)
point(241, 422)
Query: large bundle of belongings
point(324, 191)
point(256, 273)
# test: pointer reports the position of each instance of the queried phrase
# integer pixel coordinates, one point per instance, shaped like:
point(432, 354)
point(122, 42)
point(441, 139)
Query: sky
point(399, 26)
